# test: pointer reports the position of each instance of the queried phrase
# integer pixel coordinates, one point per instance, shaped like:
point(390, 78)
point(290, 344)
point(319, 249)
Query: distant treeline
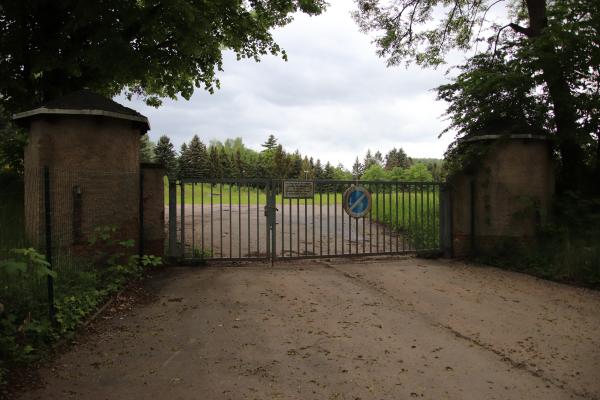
point(232, 159)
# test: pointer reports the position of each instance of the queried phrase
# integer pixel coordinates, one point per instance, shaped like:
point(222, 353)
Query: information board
point(298, 189)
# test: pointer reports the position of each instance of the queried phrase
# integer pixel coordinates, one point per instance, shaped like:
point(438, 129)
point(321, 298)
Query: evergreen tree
point(357, 169)
point(198, 159)
point(369, 160)
point(280, 163)
point(296, 165)
point(378, 158)
point(318, 170)
point(146, 149)
point(329, 171)
point(183, 162)
point(214, 163)
point(164, 153)
point(239, 166)
point(396, 158)
point(226, 165)
point(271, 143)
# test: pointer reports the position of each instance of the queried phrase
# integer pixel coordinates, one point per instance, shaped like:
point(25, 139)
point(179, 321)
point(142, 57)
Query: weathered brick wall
point(513, 189)
point(96, 157)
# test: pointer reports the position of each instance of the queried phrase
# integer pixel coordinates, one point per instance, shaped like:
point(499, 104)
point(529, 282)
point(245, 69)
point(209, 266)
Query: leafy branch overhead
point(539, 75)
point(154, 48)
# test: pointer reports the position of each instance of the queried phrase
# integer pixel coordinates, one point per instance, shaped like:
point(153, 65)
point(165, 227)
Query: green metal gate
point(246, 219)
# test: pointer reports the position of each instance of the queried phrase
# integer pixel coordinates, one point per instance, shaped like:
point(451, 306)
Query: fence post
point(172, 219)
point(182, 190)
point(273, 221)
point(48, 223)
point(445, 220)
point(141, 216)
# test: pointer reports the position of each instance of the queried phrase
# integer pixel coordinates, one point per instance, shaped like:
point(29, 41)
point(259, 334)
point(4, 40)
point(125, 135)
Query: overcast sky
point(332, 100)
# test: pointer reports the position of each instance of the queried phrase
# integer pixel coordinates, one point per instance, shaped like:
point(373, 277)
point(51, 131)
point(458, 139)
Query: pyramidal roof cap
point(86, 102)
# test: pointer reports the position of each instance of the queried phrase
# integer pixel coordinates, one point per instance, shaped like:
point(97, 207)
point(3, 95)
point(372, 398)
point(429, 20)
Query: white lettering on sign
point(298, 189)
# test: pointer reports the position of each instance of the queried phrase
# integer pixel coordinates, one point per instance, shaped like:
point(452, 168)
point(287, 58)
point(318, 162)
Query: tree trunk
point(565, 117)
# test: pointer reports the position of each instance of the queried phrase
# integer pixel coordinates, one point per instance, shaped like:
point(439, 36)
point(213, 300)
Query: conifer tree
point(357, 169)
point(164, 153)
point(183, 162)
point(198, 159)
point(214, 163)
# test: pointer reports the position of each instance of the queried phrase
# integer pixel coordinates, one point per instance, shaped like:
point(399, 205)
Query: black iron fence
point(73, 219)
point(242, 219)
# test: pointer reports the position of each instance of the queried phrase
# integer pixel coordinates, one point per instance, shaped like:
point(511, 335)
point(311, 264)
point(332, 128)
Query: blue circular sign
point(357, 201)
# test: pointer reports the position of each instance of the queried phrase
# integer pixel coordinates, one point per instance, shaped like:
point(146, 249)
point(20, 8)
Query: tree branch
point(498, 36)
point(519, 29)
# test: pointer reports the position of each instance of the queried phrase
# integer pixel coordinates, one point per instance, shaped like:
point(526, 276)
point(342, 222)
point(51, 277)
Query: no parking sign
point(357, 201)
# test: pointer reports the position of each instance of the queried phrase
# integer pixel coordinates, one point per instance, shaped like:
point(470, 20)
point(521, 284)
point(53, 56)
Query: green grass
point(415, 215)
point(238, 195)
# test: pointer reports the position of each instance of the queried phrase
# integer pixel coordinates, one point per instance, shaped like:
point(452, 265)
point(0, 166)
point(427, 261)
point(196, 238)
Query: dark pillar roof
point(85, 102)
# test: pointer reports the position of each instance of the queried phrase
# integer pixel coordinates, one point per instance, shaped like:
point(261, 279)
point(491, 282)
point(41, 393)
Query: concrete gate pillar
point(90, 146)
point(505, 197)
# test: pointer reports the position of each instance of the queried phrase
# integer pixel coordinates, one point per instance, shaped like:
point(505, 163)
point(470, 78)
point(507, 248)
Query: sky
point(333, 99)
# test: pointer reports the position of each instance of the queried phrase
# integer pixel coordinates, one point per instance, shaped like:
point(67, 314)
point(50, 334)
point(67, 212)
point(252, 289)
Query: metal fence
point(244, 219)
point(62, 214)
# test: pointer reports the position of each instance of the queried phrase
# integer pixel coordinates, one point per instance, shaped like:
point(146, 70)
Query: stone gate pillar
point(505, 197)
point(90, 145)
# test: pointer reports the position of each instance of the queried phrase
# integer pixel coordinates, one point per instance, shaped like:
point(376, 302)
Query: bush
point(26, 330)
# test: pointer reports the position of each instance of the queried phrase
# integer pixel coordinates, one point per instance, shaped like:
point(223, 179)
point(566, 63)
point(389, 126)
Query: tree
point(342, 174)
point(540, 30)
point(396, 158)
point(152, 48)
point(146, 149)
point(369, 160)
point(271, 143)
point(226, 165)
point(318, 170)
point(378, 158)
point(198, 159)
point(296, 170)
point(328, 171)
point(375, 173)
point(214, 163)
point(239, 166)
point(418, 173)
point(183, 162)
point(12, 143)
point(164, 153)
point(357, 169)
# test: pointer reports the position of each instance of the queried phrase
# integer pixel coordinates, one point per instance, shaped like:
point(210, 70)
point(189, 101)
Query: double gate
point(249, 219)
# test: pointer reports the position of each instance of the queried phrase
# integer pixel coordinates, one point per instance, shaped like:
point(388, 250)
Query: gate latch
point(267, 208)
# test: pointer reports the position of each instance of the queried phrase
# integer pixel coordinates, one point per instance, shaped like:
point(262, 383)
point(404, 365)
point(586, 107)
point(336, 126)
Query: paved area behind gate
point(376, 329)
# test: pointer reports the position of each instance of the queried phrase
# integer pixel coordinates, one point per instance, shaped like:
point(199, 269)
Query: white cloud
point(332, 100)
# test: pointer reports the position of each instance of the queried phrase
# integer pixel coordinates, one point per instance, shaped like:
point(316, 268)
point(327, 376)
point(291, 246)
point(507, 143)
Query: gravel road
point(379, 329)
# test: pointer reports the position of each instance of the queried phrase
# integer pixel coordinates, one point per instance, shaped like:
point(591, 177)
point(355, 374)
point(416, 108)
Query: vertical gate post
point(273, 218)
point(141, 217)
point(172, 219)
point(182, 236)
point(48, 223)
point(445, 221)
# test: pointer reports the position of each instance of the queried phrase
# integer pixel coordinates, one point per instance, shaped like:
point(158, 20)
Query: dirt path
point(397, 329)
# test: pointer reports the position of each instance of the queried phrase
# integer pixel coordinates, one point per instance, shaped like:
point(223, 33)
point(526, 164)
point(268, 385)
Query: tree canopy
point(154, 48)
point(540, 72)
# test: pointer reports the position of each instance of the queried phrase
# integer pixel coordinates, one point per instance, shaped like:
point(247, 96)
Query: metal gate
point(246, 219)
